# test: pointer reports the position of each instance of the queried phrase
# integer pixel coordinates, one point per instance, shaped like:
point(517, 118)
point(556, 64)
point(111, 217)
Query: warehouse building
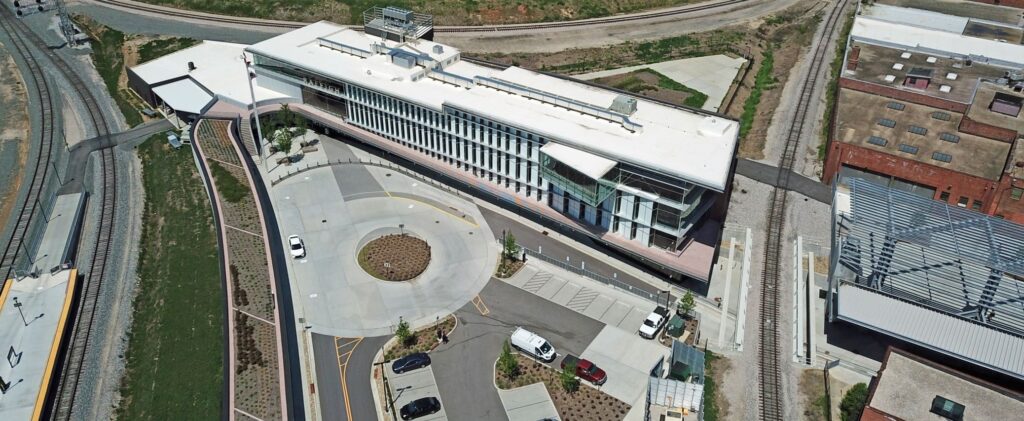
point(931, 103)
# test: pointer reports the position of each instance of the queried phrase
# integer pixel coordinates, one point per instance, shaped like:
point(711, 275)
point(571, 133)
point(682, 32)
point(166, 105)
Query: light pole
point(668, 294)
point(250, 74)
point(401, 229)
point(387, 390)
point(17, 305)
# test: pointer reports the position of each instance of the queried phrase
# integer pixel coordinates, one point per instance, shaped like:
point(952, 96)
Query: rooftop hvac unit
point(398, 14)
point(624, 104)
point(438, 49)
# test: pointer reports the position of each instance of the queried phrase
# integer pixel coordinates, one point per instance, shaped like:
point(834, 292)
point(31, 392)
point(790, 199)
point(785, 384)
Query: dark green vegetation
point(832, 89)
point(161, 47)
point(108, 57)
point(853, 402)
point(653, 84)
point(446, 12)
point(711, 409)
point(229, 186)
point(763, 81)
point(629, 53)
point(174, 358)
point(694, 98)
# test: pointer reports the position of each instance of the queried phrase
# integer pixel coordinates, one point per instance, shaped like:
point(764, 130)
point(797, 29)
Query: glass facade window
point(574, 182)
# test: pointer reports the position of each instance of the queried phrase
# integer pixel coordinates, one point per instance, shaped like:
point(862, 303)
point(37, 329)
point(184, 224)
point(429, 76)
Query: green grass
point(710, 388)
point(695, 99)
point(109, 62)
point(229, 186)
point(762, 81)
point(832, 88)
point(174, 359)
point(162, 47)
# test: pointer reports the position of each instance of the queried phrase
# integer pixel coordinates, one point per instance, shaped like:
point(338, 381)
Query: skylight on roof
point(905, 55)
point(897, 66)
point(931, 59)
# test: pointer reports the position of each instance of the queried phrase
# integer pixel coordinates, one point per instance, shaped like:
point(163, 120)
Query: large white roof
point(184, 95)
point(693, 146)
point(898, 35)
point(916, 17)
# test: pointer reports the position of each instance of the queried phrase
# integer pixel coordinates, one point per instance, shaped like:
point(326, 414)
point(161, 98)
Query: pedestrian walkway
point(528, 403)
point(590, 298)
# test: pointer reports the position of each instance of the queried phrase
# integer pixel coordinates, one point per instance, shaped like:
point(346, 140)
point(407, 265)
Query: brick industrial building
point(931, 103)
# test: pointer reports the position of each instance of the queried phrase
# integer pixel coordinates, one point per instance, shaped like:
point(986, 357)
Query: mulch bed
point(586, 403)
point(423, 340)
point(395, 257)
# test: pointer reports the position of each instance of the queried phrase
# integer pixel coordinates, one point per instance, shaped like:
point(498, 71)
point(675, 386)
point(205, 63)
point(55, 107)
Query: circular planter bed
point(395, 257)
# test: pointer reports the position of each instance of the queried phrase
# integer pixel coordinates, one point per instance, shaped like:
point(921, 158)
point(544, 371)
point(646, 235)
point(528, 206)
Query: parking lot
point(415, 384)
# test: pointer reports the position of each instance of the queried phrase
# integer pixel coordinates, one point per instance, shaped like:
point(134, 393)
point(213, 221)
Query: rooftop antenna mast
point(67, 27)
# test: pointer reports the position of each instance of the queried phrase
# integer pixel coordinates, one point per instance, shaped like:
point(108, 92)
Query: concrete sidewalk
point(585, 296)
point(528, 403)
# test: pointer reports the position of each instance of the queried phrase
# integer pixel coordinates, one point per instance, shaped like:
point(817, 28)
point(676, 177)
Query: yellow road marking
point(480, 306)
point(343, 370)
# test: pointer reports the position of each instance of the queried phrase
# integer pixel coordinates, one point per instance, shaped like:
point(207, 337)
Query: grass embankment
point(174, 359)
point(832, 89)
point(108, 57)
point(762, 82)
point(711, 409)
point(161, 47)
point(661, 87)
point(446, 12)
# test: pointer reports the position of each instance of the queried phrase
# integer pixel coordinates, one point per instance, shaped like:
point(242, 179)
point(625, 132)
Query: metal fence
point(579, 270)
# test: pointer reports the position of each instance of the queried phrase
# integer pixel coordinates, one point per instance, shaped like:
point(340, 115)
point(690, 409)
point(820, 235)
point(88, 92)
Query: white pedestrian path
point(585, 296)
point(528, 403)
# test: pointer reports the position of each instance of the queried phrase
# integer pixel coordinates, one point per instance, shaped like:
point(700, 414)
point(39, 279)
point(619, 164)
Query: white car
point(297, 248)
point(652, 324)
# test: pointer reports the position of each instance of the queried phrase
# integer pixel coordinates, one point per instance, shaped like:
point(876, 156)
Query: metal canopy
point(946, 258)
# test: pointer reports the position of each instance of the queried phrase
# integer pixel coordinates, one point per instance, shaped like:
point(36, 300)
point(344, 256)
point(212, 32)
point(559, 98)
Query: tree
point(286, 116)
point(508, 365)
point(301, 126)
point(853, 402)
point(569, 381)
point(686, 304)
point(283, 139)
point(403, 333)
point(510, 246)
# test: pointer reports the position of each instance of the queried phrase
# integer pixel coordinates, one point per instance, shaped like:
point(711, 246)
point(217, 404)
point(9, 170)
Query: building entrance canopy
point(590, 165)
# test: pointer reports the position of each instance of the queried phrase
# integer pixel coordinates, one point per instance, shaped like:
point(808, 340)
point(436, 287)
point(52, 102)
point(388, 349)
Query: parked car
point(410, 362)
point(652, 324)
point(533, 344)
point(298, 248)
point(420, 407)
point(586, 370)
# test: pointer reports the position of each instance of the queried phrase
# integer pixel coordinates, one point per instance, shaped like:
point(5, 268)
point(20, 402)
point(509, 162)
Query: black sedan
point(410, 362)
point(420, 407)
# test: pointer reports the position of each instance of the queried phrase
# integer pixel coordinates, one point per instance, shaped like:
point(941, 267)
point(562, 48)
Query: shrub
point(569, 381)
point(402, 332)
point(853, 402)
point(507, 363)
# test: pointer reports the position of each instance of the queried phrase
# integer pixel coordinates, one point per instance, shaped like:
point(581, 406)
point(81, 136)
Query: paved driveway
point(628, 359)
point(464, 368)
point(413, 385)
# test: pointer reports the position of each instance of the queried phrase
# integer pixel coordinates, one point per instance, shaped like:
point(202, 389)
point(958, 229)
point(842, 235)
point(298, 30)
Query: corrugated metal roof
point(960, 338)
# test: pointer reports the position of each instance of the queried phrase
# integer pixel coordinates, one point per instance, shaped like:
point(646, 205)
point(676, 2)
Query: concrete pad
point(628, 360)
point(522, 277)
point(552, 287)
point(616, 313)
point(528, 403)
point(598, 307)
point(633, 320)
point(712, 75)
point(416, 384)
point(566, 293)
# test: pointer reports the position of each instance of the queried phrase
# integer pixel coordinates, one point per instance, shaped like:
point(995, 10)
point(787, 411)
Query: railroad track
point(655, 14)
point(40, 171)
point(770, 352)
point(107, 194)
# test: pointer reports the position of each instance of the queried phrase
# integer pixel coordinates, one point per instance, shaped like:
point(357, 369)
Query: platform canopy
point(591, 165)
point(184, 95)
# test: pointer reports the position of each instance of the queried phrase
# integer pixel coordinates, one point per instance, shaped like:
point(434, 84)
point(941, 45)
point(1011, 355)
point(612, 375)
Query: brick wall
point(902, 95)
point(1012, 210)
point(941, 179)
point(987, 130)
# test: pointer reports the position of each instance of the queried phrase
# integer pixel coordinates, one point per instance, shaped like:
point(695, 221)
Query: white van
point(533, 344)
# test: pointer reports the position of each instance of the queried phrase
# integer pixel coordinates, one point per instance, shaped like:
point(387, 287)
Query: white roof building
point(935, 35)
point(692, 145)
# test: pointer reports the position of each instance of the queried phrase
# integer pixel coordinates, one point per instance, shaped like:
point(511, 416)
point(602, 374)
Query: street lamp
point(668, 295)
point(387, 389)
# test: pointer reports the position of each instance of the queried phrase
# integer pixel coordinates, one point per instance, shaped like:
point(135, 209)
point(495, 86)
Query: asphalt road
point(464, 368)
point(352, 358)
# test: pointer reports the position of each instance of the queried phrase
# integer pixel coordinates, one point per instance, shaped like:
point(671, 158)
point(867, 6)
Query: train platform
point(59, 239)
point(34, 312)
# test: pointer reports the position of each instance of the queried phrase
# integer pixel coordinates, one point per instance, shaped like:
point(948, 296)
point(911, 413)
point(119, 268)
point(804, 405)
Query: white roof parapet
point(561, 101)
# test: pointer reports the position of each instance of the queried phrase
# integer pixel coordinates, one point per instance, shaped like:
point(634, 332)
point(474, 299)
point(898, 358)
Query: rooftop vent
point(890, 78)
point(624, 104)
point(951, 76)
point(905, 55)
point(897, 66)
point(438, 49)
point(402, 58)
point(191, 66)
point(931, 59)
point(945, 88)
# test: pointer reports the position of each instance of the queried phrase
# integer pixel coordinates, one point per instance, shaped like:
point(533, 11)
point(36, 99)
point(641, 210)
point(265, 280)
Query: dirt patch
point(813, 400)
point(14, 130)
point(395, 257)
point(586, 403)
point(716, 370)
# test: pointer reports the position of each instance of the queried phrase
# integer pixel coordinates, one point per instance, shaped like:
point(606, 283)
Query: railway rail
point(770, 352)
point(37, 183)
point(96, 271)
point(224, 19)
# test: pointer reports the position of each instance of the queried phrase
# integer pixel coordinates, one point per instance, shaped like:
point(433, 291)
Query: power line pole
point(67, 27)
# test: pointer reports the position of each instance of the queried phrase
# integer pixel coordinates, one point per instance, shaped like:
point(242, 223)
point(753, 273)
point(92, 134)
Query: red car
point(586, 370)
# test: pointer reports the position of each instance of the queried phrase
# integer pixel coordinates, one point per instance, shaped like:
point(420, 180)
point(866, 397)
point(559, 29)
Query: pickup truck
point(586, 370)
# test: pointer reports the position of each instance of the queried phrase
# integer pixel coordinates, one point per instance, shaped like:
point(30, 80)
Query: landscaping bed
point(508, 267)
point(586, 403)
point(423, 340)
point(395, 257)
point(653, 84)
